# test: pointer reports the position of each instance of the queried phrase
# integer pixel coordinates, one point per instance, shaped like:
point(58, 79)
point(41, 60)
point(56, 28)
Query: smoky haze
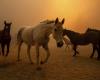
point(79, 14)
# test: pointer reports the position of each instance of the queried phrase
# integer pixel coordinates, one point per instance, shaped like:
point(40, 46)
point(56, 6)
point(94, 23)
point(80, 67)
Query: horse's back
point(36, 34)
point(26, 35)
point(93, 36)
point(40, 34)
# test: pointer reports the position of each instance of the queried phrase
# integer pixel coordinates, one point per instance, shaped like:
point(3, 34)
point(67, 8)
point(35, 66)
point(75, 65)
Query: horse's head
point(58, 32)
point(7, 26)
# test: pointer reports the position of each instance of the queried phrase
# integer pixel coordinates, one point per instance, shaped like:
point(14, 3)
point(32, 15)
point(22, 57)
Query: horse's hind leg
point(77, 52)
point(98, 50)
point(74, 48)
point(48, 54)
point(19, 48)
point(28, 53)
point(94, 48)
point(37, 54)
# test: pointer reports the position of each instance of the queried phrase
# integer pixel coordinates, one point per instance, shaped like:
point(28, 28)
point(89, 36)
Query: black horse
point(82, 39)
point(5, 37)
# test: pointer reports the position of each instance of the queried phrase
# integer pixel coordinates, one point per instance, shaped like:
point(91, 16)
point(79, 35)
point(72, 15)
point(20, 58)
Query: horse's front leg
point(7, 49)
point(48, 54)
point(37, 55)
point(28, 53)
point(3, 47)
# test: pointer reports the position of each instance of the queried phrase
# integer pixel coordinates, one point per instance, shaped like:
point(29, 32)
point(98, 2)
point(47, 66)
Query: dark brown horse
point(5, 37)
point(94, 48)
point(82, 39)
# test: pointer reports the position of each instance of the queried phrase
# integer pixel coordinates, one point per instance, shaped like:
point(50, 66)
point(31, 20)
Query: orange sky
point(79, 14)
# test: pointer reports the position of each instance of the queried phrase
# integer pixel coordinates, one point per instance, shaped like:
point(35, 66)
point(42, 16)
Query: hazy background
point(79, 14)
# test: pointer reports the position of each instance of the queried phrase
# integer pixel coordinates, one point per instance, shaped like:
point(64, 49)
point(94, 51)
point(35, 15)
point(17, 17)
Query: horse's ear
point(63, 21)
point(57, 20)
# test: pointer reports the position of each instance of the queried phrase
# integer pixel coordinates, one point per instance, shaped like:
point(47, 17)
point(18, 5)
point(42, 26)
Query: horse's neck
point(49, 29)
point(69, 33)
point(1, 32)
point(72, 34)
point(43, 30)
point(6, 31)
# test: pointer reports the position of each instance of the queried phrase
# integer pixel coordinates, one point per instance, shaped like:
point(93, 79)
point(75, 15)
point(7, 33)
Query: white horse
point(39, 36)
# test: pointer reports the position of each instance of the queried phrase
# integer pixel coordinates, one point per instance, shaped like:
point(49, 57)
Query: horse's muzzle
point(60, 44)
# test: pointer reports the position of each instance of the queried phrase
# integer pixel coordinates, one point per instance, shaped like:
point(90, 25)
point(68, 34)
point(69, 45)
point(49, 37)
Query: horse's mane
point(48, 21)
point(92, 29)
point(74, 32)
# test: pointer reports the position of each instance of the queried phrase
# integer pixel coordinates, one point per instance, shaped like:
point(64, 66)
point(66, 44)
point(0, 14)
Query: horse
point(82, 39)
point(5, 37)
point(67, 43)
point(94, 48)
point(39, 36)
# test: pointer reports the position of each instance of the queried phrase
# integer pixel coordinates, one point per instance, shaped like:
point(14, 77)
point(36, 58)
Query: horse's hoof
point(91, 57)
point(98, 59)
point(3, 55)
point(32, 63)
point(18, 60)
point(74, 55)
point(38, 68)
point(6, 55)
point(78, 53)
point(42, 62)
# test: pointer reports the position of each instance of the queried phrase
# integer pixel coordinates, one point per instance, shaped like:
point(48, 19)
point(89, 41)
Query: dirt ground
point(60, 66)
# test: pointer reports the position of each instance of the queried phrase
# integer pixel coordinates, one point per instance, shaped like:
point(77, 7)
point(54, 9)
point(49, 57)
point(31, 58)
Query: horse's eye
point(55, 29)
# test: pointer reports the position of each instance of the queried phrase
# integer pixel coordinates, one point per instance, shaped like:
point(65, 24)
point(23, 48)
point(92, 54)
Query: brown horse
point(5, 37)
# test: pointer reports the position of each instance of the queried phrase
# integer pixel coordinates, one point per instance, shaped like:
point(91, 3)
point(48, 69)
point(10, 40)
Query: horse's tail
point(19, 35)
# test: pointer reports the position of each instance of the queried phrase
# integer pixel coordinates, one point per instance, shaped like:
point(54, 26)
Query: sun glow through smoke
point(78, 14)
